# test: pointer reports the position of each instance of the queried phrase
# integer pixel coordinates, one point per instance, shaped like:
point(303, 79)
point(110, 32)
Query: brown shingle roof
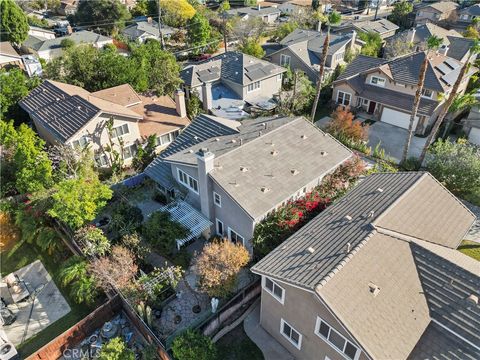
point(122, 95)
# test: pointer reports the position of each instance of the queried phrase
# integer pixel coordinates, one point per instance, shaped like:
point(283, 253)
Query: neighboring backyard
point(470, 248)
point(236, 345)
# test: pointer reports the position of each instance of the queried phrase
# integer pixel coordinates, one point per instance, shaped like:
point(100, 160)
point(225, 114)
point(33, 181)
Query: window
point(339, 56)
point(120, 130)
point(167, 138)
point(274, 289)
point(365, 101)
point(427, 93)
point(336, 340)
point(81, 142)
point(101, 160)
point(219, 227)
point(284, 60)
point(217, 199)
point(253, 86)
point(235, 237)
point(129, 151)
point(188, 181)
point(291, 334)
point(378, 81)
point(344, 98)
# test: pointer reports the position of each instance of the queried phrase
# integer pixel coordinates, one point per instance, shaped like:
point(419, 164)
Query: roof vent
point(323, 153)
point(217, 139)
point(243, 169)
point(294, 172)
point(195, 137)
point(311, 250)
point(349, 247)
point(234, 141)
point(190, 151)
point(348, 218)
point(303, 136)
point(371, 213)
point(374, 289)
point(264, 189)
point(473, 299)
point(274, 152)
point(379, 190)
point(236, 72)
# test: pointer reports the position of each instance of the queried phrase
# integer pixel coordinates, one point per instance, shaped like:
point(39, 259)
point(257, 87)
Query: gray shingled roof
point(84, 36)
point(473, 10)
point(135, 30)
point(254, 11)
point(459, 47)
point(380, 26)
point(361, 64)
point(233, 66)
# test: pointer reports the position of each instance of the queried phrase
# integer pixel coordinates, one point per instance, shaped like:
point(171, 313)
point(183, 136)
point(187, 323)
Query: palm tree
point(332, 19)
point(433, 42)
point(83, 287)
point(475, 49)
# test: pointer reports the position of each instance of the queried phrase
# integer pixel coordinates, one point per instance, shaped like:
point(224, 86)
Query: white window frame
point(281, 299)
point(380, 81)
point(285, 60)
point(133, 153)
point(343, 97)
point(426, 96)
point(219, 203)
point(186, 182)
point(98, 160)
point(279, 77)
point(216, 228)
point(230, 230)
point(114, 131)
point(254, 86)
point(331, 344)
point(299, 345)
point(171, 136)
point(81, 142)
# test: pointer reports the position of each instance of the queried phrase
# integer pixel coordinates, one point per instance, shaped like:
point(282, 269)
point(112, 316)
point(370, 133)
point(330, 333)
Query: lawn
point(236, 345)
point(22, 254)
point(470, 248)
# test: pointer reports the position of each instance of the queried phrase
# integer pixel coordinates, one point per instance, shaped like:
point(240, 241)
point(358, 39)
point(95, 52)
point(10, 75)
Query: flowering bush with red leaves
point(287, 219)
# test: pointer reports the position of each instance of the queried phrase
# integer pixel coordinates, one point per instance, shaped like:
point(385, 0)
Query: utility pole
point(376, 10)
point(224, 16)
point(160, 25)
point(294, 90)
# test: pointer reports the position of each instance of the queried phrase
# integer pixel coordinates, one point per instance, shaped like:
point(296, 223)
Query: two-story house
point(377, 276)
point(228, 83)
point(236, 173)
point(386, 89)
point(382, 27)
point(435, 12)
point(468, 14)
point(67, 114)
point(302, 50)
point(267, 14)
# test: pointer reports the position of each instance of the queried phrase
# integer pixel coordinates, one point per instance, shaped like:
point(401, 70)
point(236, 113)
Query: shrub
point(116, 349)
point(93, 241)
point(134, 243)
point(343, 126)
point(218, 265)
point(161, 231)
point(411, 164)
point(193, 345)
point(126, 218)
point(74, 273)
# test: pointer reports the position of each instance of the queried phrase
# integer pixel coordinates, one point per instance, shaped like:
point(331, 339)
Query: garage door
point(397, 118)
point(474, 136)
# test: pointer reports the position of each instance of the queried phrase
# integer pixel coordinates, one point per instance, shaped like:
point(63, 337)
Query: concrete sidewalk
point(271, 348)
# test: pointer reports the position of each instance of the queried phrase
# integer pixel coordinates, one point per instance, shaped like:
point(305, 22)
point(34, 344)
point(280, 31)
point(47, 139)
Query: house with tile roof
point(302, 50)
point(230, 83)
point(267, 14)
point(236, 173)
point(468, 14)
point(382, 27)
point(377, 276)
point(435, 12)
point(70, 115)
point(453, 45)
point(9, 58)
point(386, 89)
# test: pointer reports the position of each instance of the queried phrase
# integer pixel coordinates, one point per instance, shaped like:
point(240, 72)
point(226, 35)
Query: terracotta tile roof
point(159, 115)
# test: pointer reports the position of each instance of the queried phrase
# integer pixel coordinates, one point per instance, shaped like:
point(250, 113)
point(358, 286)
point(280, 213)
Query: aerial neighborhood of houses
point(240, 179)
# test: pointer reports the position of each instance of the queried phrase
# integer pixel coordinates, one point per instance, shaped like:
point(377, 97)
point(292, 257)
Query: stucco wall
point(192, 198)
point(295, 63)
point(268, 87)
point(300, 309)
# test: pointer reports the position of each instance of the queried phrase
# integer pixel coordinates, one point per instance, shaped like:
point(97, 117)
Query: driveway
point(392, 140)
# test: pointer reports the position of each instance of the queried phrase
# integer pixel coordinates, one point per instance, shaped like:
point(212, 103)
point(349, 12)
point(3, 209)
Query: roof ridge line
point(343, 262)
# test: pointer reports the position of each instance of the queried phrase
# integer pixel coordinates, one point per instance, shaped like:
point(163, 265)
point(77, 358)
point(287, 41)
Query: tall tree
point(199, 30)
point(475, 49)
point(433, 42)
point(400, 13)
point(177, 13)
point(107, 15)
point(13, 22)
point(332, 19)
point(252, 47)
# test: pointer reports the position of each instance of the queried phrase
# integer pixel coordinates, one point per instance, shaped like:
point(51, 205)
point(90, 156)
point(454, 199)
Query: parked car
point(202, 57)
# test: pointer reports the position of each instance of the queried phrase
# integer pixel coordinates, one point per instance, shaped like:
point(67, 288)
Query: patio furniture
point(17, 288)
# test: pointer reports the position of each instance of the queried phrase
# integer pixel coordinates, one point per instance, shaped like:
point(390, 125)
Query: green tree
point(433, 42)
point(193, 345)
point(77, 201)
point(194, 106)
point(177, 13)
point(13, 22)
point(373, 43)
point(224, 6)
point(145, 153)
point(456, 165)
point(116, 349)
point(161, 231)
point(35, 21)
point(285, 29)
point(199, 31)
point(108, 16)
point(400, 13)
point(252, 47)
point(74, 274)
point(15, 85)
point(25, 161)
point(92, 240)
point(67, 43)
point(144, 8)
point(472, 33)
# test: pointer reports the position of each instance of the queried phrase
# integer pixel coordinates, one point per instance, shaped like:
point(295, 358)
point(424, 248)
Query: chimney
point(205, 162)
point(149, 19)
point(69, 30)
point(411, 35)
point(180, 103)
point(259, 7)
point(319, 26)
point(354, 38)
point(443, 50)
point(207, 96)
